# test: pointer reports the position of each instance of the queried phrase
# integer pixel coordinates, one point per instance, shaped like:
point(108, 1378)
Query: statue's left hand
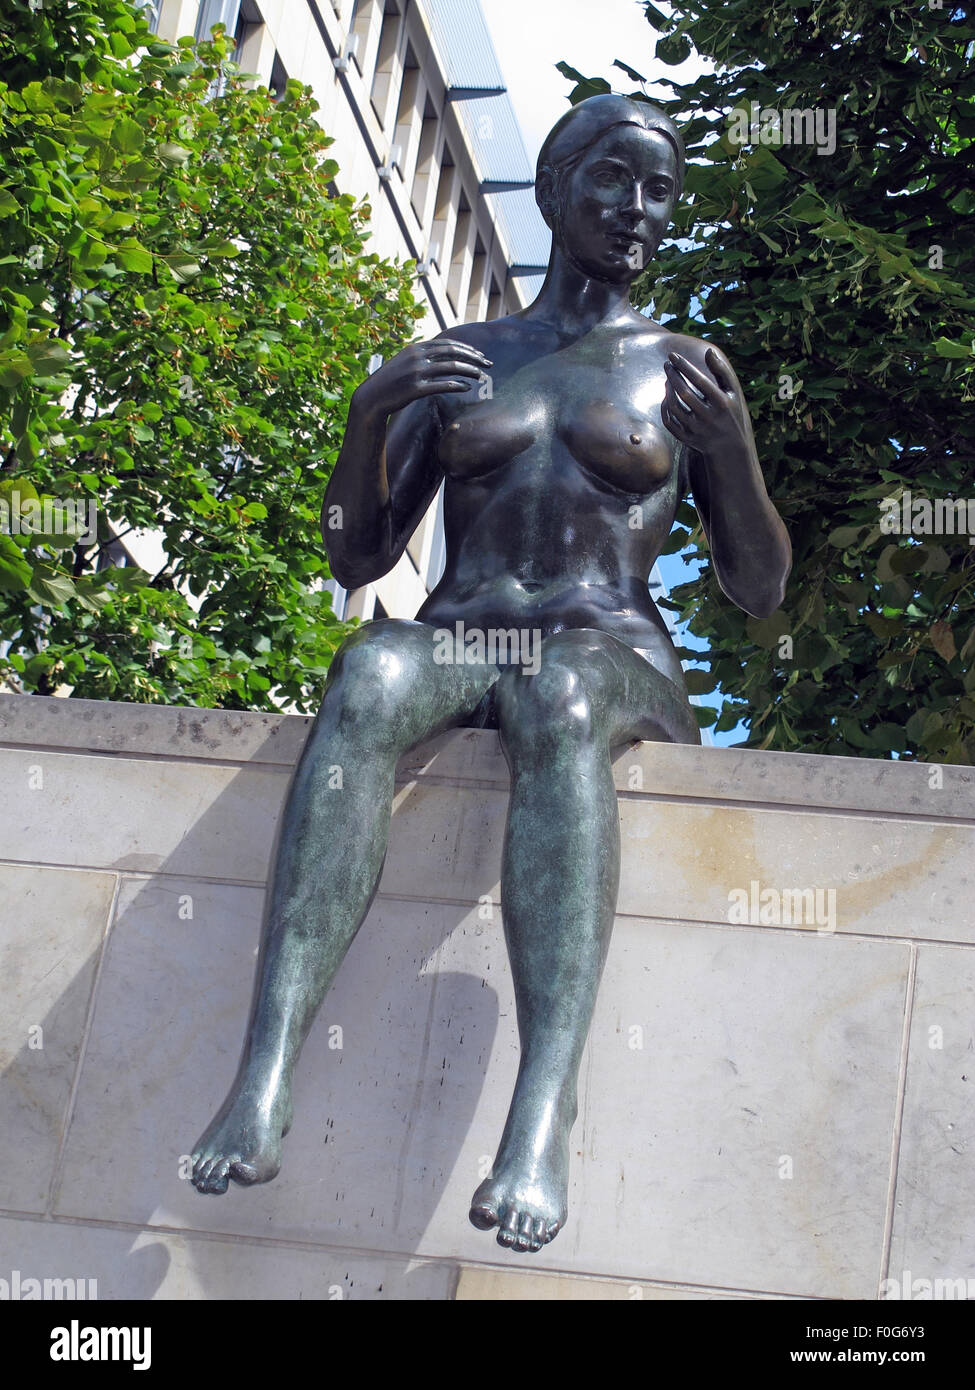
point(707, 413)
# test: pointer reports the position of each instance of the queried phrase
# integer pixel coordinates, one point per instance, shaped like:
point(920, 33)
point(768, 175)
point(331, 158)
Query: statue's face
point(617, 203)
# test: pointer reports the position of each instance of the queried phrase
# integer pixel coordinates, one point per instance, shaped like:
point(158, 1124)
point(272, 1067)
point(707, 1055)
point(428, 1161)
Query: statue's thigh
point(590, 685)
point(389, 685)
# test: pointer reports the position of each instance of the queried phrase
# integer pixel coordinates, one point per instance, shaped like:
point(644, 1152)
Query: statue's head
point(608, 176)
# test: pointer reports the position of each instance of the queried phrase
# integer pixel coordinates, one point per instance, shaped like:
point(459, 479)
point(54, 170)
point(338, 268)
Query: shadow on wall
point(385, 1093)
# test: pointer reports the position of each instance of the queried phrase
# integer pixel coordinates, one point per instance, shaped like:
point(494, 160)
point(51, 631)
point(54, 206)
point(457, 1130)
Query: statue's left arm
point(704, 408)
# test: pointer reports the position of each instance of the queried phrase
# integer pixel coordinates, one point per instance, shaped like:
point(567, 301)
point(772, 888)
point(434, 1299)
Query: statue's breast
point(486, 436)
point(619, 445)
point(614, 441)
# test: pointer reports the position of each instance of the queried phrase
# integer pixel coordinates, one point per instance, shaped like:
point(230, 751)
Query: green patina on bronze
point(567, 433)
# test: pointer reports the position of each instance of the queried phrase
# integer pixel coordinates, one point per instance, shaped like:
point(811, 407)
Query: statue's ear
point(545, 194)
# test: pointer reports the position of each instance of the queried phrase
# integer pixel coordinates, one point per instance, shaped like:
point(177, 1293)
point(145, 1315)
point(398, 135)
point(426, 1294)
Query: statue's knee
point(374, 674)
point(551, 707)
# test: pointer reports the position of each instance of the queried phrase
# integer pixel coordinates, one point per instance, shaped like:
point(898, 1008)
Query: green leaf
point(945, 347)
point(14, 367)
point(699, 682)
point(133, 256)
point(14, 492)
point(942, 639)
point(15, 572)
point(173, 154)
point(845, 536)
point(49, 358)
point(765, 632)
point(183, 267)
point(631, 73)
point(220, 248)
point(673, 50)
point(570, 72)
point(128, 136)
point(48, 586)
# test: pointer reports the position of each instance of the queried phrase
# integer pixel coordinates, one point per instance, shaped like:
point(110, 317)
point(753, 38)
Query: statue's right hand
point(422, 369)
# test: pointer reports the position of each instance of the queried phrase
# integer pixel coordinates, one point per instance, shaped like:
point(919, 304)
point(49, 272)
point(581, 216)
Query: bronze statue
point(562, 483)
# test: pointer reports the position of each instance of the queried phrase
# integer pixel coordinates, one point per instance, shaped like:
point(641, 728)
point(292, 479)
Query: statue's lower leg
point(333, 821)
point(560, 876)
point(384, 695)
point(559, 881)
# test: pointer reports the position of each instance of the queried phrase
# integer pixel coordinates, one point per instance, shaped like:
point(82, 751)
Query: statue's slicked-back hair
point(582, 126)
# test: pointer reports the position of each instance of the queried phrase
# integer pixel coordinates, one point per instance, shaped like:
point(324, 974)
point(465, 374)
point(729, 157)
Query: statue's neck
point(574, 303)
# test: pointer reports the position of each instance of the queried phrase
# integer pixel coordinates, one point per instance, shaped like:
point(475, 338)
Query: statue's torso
point(562, 485)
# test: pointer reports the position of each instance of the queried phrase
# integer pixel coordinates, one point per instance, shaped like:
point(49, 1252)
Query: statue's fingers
point(447, 347)
point(451, 366)
point(719, 371)
point(433, 388)
point(679, 412)
point(675, 427)
point(705, 384)
point(683, 390)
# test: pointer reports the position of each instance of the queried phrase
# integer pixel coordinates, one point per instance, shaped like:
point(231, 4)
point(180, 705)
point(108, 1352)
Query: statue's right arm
point(387, 472)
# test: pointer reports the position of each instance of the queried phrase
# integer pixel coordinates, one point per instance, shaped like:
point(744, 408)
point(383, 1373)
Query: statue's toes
point(525, 1238)
point(218, 1179)
point(508, 1230)
point(244, 1172)
point(484, 1208)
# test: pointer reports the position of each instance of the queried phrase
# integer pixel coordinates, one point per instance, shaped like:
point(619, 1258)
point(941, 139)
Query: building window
point(382, 81)
point(459, 255)
point(443, 213)
point(407, 115)
point(214, 12)
point(279, 79)
point(359, 30)
point(151, 10)
point(248, 22)
point(426, 163)
point(475, 295)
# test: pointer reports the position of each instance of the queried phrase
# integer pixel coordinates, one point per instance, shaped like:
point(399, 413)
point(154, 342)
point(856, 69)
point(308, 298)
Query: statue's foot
point(242, 1143)
point(526, 1199)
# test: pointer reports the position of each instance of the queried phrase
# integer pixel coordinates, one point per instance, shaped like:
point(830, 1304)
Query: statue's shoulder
point(695, 350)
point(482, 336)
point(644, 333)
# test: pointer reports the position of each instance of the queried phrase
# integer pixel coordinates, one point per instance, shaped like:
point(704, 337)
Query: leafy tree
point(185, 310)
point(840, 283)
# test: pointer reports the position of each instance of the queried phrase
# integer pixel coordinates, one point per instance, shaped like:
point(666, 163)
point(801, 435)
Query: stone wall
point(767, 1109)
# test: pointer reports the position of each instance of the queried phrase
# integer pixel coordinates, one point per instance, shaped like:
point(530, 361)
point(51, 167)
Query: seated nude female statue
point(562, 484)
